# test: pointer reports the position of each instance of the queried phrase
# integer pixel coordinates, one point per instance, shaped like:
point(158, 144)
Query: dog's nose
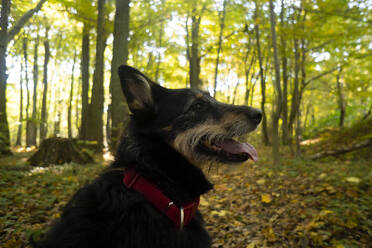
point(256, 116)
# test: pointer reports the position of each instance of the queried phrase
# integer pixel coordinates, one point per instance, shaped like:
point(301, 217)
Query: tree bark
point(295, 92)
point(248, 89)
point(4, 128)
point(118, 108)
point(20, 125)
point(222, 15)
point(298, 135)
point(265, 135)
point(235, 92)
point(95, 127)
point(159, 45)
point(341, 98)
point(44, 113)
point(85, 56)
point(28, 121)
point(277, 91)
point(33, 126)
point(69, 110)
point(285, 77)
point(193, 52)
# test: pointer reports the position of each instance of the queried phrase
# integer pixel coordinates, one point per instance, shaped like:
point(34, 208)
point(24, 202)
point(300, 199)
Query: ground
point(297, 204)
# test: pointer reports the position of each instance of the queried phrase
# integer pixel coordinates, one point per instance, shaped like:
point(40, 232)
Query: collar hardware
point(181, 216)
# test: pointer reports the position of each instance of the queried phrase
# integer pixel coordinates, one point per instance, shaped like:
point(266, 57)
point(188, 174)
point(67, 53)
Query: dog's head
point(189, 120)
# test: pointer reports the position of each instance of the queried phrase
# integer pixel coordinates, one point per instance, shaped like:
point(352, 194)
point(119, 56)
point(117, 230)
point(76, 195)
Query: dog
point(149, 195)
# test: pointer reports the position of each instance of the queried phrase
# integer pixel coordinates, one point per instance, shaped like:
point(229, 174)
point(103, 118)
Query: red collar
point(180, 216)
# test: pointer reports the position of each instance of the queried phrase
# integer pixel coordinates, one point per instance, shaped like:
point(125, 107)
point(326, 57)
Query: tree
point(44, 113)
point(20, 126)
point(265, 134)
point(341, 97)
point(84, 66)
point(33, 123)
point(192, 52)
point(283, 50)
point(222, 16)
point(69, 110)
point(278, 91)
point(118, 109)
point(6, 36)
point(95, 127)
point(25, 56)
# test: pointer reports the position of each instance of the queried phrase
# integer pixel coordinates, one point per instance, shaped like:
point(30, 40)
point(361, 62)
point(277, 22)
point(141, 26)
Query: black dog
point(150, 194)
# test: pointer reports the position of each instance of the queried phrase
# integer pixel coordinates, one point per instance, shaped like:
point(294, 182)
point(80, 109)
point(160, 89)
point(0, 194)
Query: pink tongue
point(236, 147)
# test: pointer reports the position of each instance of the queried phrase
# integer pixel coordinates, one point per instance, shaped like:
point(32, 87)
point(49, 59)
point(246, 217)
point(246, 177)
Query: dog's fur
point(163, 143)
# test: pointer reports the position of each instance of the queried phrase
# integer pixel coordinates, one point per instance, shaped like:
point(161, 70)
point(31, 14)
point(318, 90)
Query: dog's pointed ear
point(137, 90)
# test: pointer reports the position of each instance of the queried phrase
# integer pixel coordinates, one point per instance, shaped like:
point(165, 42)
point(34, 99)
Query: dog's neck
point(180, 180)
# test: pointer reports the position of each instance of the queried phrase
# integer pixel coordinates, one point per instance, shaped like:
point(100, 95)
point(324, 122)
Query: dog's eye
point(197, 106)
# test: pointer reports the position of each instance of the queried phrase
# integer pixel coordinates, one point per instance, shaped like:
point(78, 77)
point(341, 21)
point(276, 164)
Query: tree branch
point(24, 19)
point(362, 144)
point(319, 76)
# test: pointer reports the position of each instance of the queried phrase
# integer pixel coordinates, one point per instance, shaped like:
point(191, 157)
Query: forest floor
point(301, 203)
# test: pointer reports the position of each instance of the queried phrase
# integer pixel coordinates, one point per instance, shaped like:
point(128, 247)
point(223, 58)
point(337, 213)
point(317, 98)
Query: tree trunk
point(265, 136)
point(285, 77)
point(28, 122)
point(85, 82)
point(69, 125)
point(341, 98)
point(277, 91)
point(159, 45)
point(44, 113)
point(57, 120)
point(248, 89)
point(95, 127)
point(5, 38)
point(20, 125)
point(298, 134)
point(222, 25)
point(118, 108)
point(193, 53)
point(4, 128)
point(295, 92)
point(33, 126)
point(235, 92)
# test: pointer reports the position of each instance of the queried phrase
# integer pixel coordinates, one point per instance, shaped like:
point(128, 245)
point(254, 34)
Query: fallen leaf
point(353, 180)
point(266, 198)
point(261, 181)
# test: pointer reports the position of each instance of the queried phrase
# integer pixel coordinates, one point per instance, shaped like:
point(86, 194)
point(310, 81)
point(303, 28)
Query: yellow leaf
point(268, 232)
point(340, 246)
point(353, 179)
point(266, 198)
point(251, 245)
point(261, 181)
point(203, 201)
point(323, 175)
point(221, 213)
point(351, 224)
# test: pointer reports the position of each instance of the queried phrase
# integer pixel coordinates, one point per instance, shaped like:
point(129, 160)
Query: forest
point(306, 64)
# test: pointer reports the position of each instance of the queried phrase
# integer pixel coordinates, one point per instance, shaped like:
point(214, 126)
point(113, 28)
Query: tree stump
point(59, 151)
